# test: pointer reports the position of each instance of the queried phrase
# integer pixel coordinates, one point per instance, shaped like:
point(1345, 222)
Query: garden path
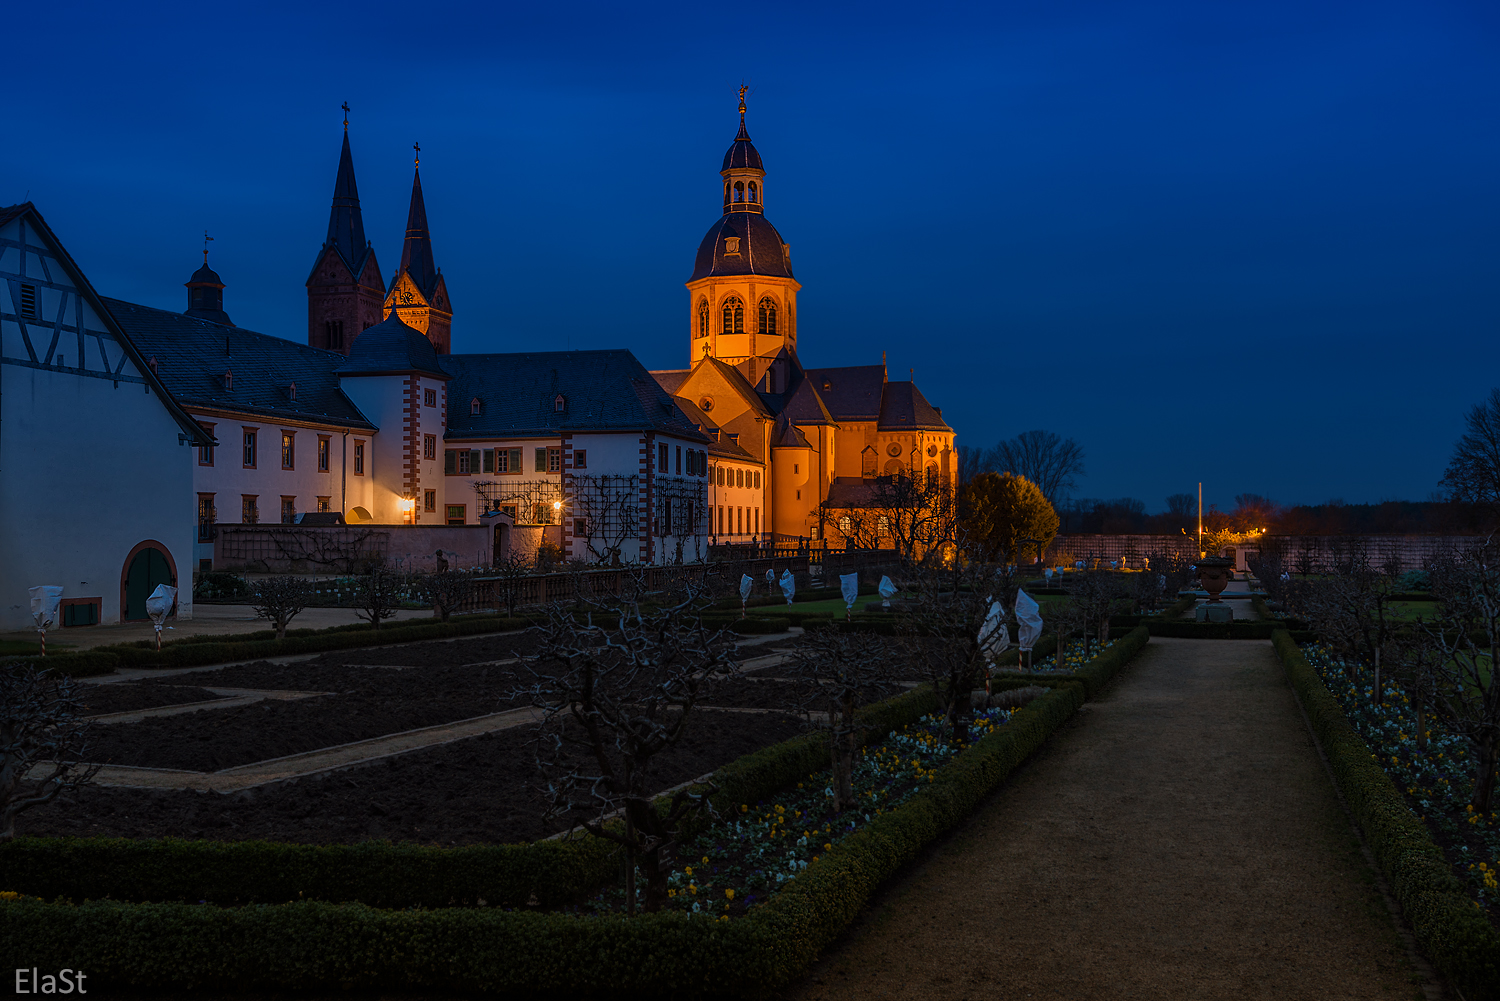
point(1180, 838)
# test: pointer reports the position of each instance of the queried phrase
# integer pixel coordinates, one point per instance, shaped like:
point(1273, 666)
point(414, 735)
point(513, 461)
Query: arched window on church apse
point(734, 315)
point(767, 316)
point(702, 317)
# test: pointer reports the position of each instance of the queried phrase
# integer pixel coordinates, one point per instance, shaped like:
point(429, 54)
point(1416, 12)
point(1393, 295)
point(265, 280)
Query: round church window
point(894, 448)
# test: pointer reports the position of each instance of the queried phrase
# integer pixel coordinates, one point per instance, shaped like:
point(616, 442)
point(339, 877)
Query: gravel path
point(1179, 839)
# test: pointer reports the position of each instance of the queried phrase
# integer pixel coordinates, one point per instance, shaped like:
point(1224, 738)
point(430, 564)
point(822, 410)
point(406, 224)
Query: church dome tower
point(742, 296)
point(206, 295)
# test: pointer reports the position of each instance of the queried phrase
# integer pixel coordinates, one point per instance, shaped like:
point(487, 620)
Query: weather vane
point(346, 116)
point(206, 239)
point(743, 88)
point(417, 160)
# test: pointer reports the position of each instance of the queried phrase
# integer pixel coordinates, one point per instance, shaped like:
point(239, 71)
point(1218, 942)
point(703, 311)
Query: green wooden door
point(148, 569)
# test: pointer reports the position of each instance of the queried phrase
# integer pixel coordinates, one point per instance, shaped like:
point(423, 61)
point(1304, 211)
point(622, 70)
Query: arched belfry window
point(754, 193)
point(702, 330)
point(734, 315)
point(768, 315)
point(739, 191)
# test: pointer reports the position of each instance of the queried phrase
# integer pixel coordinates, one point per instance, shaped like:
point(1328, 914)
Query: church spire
point(416, 253)
point(346, 227)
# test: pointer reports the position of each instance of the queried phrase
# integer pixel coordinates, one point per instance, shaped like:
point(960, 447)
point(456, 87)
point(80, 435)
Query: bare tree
point(377, 595)
point(510, 570)
point(612, 692)
point(1096, 595)
point(1473, 472)
point(915, 515)
point(1459, 683)
point(1050, 461)
point(41, 726)
point(279, 600)
point(846, 670)
point(446, 590)
point(941, 637)
point(1352, 610)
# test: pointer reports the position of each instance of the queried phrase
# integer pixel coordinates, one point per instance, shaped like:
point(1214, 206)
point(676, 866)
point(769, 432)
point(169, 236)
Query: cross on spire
point(346, 116)
point(417, 160)
point(206, 240)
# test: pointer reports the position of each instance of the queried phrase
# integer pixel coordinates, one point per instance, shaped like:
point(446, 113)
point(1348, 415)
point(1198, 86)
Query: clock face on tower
point(405, 297)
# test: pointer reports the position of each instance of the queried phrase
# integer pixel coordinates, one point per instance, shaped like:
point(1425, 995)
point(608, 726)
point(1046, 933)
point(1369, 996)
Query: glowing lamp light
point(408, 504)
point(557, 505)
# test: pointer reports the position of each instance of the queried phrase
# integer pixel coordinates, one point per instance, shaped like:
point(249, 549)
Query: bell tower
point(344, 290)
point(419, 294)
point(742, 296)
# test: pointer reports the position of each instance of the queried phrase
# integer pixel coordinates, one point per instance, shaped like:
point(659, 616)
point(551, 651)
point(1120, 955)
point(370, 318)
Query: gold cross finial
point(346, 116)
point(743, 88)
point(417, 160)
point(206, 239)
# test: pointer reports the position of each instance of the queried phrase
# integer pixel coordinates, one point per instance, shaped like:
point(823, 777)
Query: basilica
point(369, 418)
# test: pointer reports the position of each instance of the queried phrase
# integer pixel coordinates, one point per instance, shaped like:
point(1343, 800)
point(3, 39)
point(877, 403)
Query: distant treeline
point(1127, 516)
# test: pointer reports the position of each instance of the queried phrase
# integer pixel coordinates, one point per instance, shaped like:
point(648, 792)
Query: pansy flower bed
point(1436, 780)
point(739, 861)
point(1073, 657)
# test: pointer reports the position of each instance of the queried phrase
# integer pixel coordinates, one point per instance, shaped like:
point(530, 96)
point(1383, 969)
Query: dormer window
point(229, 378)
point(151, 364)
point(474, 407)
point(732, 245)
point(560, 404)
point(291, 391)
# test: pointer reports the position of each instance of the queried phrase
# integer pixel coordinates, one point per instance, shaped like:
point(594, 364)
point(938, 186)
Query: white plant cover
point(1028, 620)
point(994, 638)
point(849, 586)
point(44, 602)
point(887, 589)
point(770, 577)
point(747, 582)
point(1047, 573)
point(160, 603)
point(788, 585)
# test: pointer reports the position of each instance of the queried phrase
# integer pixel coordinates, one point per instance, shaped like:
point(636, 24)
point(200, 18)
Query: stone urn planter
point(1214, 573)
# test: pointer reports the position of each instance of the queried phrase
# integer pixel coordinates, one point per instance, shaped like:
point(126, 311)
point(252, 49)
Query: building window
point(721, 519)
point(679, 460)
point(541, 513)
point(509, 509)
point(739, 191)
point(429, 446)
point(335, 331)
point(206, 517)
point(757, 480)
point(554, 460)
point(721, 476)
point(541, 460)
point(323, 453)
point(325, 505)
point(429, 500)
point(28, 302)
point(560, 404)
point(580, 528)
point(580, 458)
point(661, 459)
point(474, 407)
point(489, 460)
point(457, 514)
point(249, 512)
point(702, 318)
point(359, 458)
point(757, 521)
point(845, 524)
point(754, 193)
point(288, 510)
point(429, 397)
point(206, 448)
point(768, 316)
point(734, 315)
point(739, 478)
point(249, 455)
point(288, 450)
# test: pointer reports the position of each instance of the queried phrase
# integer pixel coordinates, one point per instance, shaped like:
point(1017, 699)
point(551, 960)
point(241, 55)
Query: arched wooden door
point(148, 566)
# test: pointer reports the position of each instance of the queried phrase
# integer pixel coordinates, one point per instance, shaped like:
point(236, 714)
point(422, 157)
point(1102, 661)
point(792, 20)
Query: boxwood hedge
point(1447, 922)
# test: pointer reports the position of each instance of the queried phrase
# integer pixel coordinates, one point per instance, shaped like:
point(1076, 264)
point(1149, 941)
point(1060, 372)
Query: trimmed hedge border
point(309, 944)
point(1094, 675)
point(1459, 940)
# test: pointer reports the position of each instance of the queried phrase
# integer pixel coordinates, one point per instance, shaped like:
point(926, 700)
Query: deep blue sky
point(1249, 243)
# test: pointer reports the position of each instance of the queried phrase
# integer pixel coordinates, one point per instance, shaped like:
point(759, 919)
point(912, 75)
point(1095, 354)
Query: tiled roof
point(851, 393)
point(601, 390)
point(720, 443)
point(742, 152)
point(802, 403)
point(671, 379)
point(903, 406)
point(192, 356)
point(850, 491)
point(761, 249)
point(390, 347)
point(786, 435)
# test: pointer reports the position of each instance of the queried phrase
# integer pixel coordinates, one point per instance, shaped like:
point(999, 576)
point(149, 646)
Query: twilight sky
point(1252, 243)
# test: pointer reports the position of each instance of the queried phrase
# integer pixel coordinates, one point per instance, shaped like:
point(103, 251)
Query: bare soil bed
point(453, 653)
point(119, 698)
point(474, 791)
point(366, 702)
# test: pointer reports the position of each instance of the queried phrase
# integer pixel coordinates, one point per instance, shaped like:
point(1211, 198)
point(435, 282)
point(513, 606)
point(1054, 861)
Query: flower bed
point(1435, 781)
point(1073, 657)
point(736, 864)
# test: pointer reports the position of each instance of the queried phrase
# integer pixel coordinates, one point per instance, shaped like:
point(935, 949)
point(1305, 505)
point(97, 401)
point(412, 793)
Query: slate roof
point(722, 445)
point(852, 393)
point(850, 491)
point(786, 435)
point(391, 347)
point(904, 407)
point(762, 251)
point(742, 152)
point(206, 276)
point(671, 379)
point(416, 252)
point(346, 225)
point(602, 390)
point(191, 359)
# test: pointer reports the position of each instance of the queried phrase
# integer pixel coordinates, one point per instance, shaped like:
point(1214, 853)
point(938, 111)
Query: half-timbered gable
point(95, 455)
